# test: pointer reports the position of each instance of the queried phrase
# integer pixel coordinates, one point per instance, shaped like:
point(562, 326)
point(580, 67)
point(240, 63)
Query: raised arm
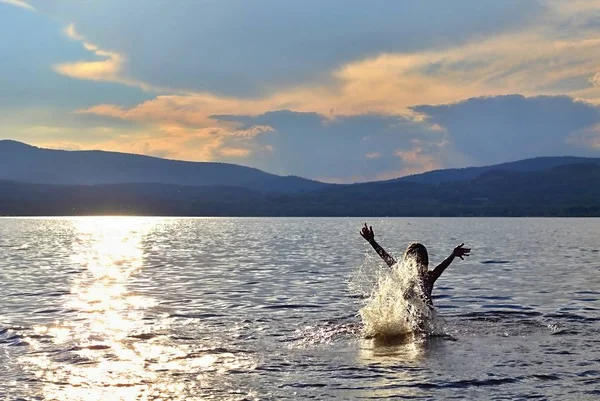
point(367, 234)
point(459, 252)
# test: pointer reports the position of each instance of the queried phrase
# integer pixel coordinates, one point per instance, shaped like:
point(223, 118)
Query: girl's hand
point(367, 233)
point(459, 251)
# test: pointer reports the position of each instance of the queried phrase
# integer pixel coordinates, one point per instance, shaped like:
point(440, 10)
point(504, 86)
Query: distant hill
point(567, 190)
point(460, 174)
point(25, 163)
point(36, 181)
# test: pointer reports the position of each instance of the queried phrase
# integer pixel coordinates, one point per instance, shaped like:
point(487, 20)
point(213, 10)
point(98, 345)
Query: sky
point(339, 91)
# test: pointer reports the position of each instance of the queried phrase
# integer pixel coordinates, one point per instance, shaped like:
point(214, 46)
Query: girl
point(418, 252)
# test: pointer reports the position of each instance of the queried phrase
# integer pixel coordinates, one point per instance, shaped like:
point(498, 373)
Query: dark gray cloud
point(310, 145)
point(241, 47)
point(492, 130)
point(479, 131)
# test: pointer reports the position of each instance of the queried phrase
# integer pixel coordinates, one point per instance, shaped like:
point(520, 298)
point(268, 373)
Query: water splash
point(393, 300)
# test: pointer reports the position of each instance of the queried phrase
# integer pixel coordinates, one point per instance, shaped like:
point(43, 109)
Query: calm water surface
point(168, 309)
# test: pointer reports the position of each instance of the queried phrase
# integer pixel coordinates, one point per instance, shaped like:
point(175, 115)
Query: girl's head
point(418, 252)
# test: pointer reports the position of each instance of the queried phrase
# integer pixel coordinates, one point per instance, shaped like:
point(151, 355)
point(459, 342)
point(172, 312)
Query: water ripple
point(127, 308)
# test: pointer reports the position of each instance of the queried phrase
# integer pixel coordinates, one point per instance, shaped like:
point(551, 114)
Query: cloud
point(31, 43)
point(477, 131)
point(109, 68)
point(489, 51)
point(234, 152)
point(18, 3)
point(258, 84)
point(488, 130)
point(104, 70)
point(587, 138)
point(193, 144)
point(164, 142)
point(253, 49)
point(194, 110)
point(417, 160)
point(529, 62)
point(416, 157)
point(382, 79)
point(252, 131)
point(348, 149)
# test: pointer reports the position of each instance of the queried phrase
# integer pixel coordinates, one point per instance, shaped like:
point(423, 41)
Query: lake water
point(185, 309)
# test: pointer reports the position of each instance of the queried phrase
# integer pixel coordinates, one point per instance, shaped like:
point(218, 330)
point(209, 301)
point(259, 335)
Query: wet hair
point(418, 252)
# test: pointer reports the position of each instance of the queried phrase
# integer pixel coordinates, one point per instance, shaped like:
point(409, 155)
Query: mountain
point(36, 181)
point(568, 190)
point(25, 163)
point(460, 174)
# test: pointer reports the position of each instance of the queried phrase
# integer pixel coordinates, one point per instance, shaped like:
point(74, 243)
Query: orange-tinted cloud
point(234, 152)
point(109, 68)
point(373, 155)
point(538, 59)
point(526, 63)
point(532, 60)
point(106, 69)
point(589, 137)
point(18, 3)
point(416, 161)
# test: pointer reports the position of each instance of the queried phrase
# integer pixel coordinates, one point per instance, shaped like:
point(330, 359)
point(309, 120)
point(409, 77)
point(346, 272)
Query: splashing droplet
point(394, 303)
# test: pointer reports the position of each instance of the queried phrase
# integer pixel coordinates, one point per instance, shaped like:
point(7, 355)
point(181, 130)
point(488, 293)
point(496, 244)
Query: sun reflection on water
point(402, 358)
point(108, 348)
point(99, 361)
